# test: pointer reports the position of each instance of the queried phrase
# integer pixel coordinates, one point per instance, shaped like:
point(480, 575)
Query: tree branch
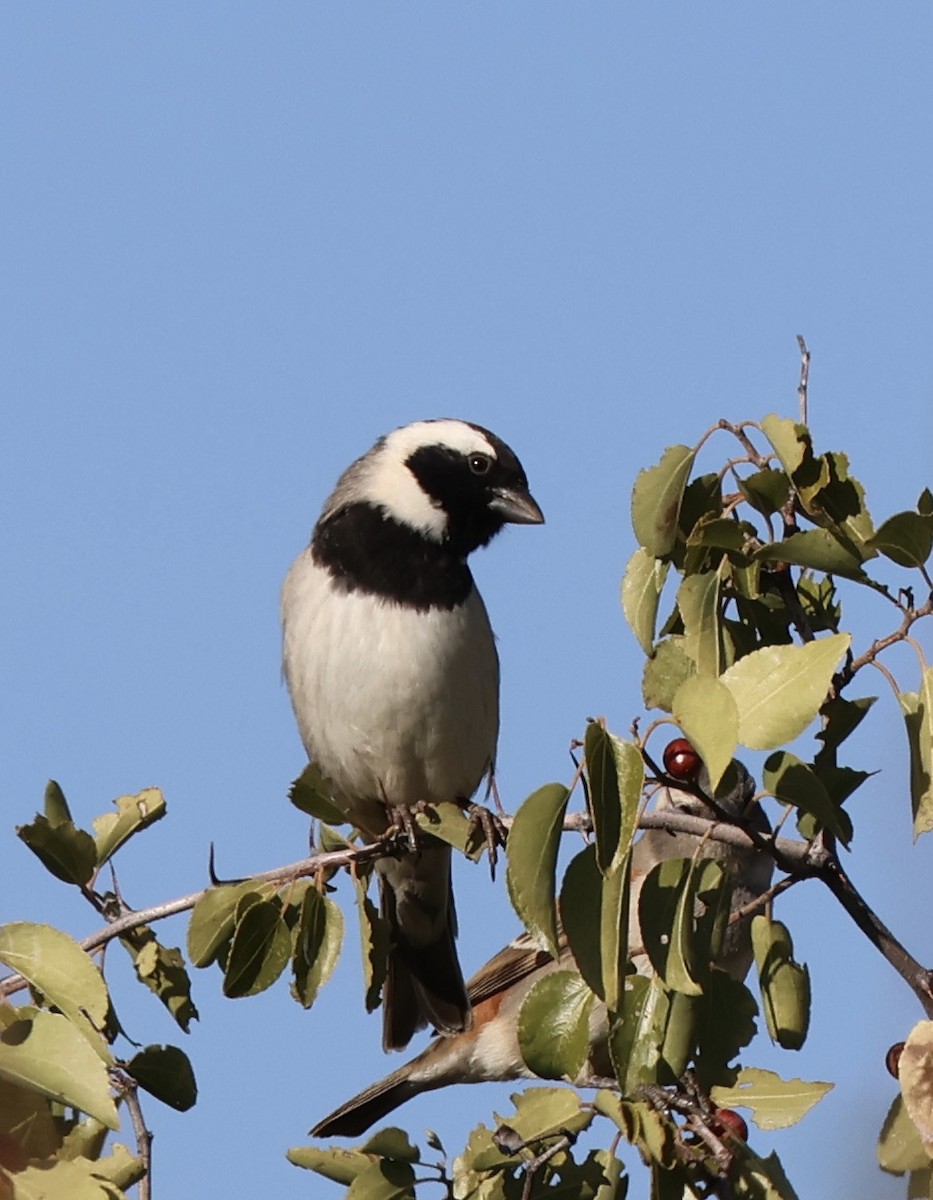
point(799, 860)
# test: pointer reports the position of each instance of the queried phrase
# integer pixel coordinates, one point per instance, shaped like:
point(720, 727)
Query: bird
point(393, 674)
point(490, 1050)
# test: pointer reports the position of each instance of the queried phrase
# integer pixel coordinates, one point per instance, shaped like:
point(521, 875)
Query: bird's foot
point(403, 828)
point(493, 832)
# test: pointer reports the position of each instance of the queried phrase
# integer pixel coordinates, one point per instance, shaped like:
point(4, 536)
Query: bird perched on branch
point(490, 1050)
point(394, 677)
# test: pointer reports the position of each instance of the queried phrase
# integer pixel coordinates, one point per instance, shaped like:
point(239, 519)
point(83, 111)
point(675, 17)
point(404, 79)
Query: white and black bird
point(393, 673)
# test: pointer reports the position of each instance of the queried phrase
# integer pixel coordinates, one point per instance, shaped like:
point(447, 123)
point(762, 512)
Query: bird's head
point(454, 482)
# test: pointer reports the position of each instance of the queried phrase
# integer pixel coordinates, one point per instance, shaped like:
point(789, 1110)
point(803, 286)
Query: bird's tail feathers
point(353, 1118)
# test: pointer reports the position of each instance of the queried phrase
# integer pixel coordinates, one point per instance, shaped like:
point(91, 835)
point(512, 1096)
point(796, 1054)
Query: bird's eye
point(480, 464)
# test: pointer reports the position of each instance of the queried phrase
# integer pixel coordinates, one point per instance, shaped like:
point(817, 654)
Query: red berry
point(681, 761)
point(892, 1060)
point(729, 1121)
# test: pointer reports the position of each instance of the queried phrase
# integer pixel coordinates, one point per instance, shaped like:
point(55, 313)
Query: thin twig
point(911, 615)
point(129, 1092)
point(804, 378)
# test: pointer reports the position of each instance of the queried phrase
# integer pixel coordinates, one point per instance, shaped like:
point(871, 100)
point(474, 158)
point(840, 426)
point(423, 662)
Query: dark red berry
point(892, 1060)
point(729, 1121)
point(681, 761)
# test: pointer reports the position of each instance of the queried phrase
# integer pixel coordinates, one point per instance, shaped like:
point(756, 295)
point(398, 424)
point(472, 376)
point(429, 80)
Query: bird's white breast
point(394, 704)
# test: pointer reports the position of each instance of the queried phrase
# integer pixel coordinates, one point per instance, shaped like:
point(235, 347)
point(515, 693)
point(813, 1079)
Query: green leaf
point(780, 689)
point(56, 807)
point(616, 773)
point(724, 533)
point(840, 718)
point(342, 1166)
point(554, 1025)
point(817, 549)
point(63, 1180)
point(375, 938)
point(66, 851)
point(133, 813)
point(642, 585)
point(791, 441)
point(581, 894)
point(45, 1053)
point(259, 951)
point(664, 672)
point(698, 601)
point(541, 1112)
point(312, 793)
point(775, 1103)
point(705, 710)
point(657, 497)
point(651, 1040)
point(55, 965)
point(906, 538)
point(319, 938)
point(725, 1024)
point(766, 490)
point(794, 782)
point(917, 708)
point(391, 1142)
point(162, 970)
point(667, 908)
point(785, 984)
point(214, 917)
point(383, 1180)
point(532, 848)
point(447, 822)
point(899, 1146)
point(165, 1072)
point(120, 1167)
point(599, 948)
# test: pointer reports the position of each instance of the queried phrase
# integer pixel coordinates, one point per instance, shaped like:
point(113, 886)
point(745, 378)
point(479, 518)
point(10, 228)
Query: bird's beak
point(516, 506)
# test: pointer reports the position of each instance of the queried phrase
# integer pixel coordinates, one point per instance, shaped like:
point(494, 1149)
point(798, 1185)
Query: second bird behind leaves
point(490, 1051)
point(393, 674)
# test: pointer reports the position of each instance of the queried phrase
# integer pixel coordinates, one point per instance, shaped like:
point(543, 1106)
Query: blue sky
point(240, 241)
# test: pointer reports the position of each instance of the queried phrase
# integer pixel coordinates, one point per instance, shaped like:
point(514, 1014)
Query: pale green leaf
point(76, 1179)
point(57, 967)
point(664, 672)
point(906, 538)
point(69, 853)
point(384, 1180)
point(391, 1142)
point(817, 549)
point(214, 917)
point(779, 689)
point(775, 1103)
point(541, 1111)
point(698, 601)
point(133, 813)
point(532, 848)
point(899, 1146)
point(641, 592)
point(785, 984)
point(616, 773)
point(706, 711)
point(341, 1166)
point(554, 1025)
point(917, 708)
point(45, 1052)
point(657, 497)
